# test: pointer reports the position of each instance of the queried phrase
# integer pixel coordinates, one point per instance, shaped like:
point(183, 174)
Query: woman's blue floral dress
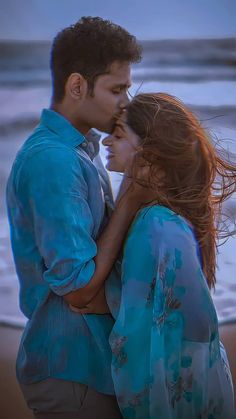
point(167, 359)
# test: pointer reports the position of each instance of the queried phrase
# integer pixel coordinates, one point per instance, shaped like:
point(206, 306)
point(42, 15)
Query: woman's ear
point(76, 86)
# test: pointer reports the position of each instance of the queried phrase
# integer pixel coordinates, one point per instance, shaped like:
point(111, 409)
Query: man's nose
point(124, 101)
point(107, 140)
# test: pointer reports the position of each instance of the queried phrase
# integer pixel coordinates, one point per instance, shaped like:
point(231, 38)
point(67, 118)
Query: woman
point(167, 359)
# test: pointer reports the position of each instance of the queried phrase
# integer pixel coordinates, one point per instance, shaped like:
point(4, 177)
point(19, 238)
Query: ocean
point(202, 73)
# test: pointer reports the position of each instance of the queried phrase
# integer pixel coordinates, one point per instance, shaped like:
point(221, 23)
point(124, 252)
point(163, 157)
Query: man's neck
point(65, 110)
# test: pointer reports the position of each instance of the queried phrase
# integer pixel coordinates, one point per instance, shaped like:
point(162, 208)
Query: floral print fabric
point(167, 360)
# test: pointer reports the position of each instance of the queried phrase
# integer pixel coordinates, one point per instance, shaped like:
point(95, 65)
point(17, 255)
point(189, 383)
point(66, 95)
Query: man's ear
point(76, 86)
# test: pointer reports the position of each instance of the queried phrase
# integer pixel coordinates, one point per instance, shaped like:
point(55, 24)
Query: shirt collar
point(91, 145)
point(55, 122)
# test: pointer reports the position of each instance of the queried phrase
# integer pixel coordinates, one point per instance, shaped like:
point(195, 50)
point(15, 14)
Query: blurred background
point(189, 50)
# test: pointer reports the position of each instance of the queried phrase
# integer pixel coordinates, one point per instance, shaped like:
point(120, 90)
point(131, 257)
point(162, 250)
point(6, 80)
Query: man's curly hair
point(89, 47)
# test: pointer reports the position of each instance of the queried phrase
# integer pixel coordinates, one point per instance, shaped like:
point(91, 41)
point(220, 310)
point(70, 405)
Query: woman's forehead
point(122, 120)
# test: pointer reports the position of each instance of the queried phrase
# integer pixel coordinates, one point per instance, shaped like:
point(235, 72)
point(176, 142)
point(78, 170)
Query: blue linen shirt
point(56, 208)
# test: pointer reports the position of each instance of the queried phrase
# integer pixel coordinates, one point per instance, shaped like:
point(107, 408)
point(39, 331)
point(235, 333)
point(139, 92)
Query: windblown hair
point(89, 47)
point(187, 173)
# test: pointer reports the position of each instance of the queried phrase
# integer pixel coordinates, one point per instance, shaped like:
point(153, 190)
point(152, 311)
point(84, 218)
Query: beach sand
point(12, 404)
point(228, 337)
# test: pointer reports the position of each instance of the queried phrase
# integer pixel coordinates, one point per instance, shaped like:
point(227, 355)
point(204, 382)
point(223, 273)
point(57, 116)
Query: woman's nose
point(107, 141)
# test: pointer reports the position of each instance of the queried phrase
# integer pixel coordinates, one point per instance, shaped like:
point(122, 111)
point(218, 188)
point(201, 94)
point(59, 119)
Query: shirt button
point(84, 145)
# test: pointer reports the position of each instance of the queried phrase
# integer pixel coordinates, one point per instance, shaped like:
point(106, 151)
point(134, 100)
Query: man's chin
point(109, 127)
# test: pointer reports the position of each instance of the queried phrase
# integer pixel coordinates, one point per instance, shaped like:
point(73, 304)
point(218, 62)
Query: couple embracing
point(108, 339)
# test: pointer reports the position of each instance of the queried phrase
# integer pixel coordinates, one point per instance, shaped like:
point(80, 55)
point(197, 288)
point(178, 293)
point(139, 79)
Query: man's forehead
point(119, 66)
point(119, 74)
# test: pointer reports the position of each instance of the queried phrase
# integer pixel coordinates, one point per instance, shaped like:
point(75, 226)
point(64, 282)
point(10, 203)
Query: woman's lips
point(110, 156)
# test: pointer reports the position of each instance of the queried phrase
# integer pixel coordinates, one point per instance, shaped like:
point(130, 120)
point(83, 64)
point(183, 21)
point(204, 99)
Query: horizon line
point(140, 40)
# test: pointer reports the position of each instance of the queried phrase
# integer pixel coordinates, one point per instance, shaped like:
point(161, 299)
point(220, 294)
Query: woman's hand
point(98, 305)
point(136, 192)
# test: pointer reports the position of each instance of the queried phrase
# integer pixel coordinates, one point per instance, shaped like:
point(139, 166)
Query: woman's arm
point(108, 247)
point(130, 198)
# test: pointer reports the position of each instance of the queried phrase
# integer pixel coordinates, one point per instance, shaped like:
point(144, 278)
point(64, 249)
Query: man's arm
point(108, 247)
point(76, 267)
point(62, 221)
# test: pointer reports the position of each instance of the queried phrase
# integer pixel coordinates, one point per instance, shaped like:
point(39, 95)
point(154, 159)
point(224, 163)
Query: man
point(56, 210)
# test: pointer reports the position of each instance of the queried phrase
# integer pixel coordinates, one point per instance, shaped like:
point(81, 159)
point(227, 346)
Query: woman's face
point(122, 145)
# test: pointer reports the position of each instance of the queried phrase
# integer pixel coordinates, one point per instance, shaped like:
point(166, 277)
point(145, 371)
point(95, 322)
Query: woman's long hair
point(186, 172)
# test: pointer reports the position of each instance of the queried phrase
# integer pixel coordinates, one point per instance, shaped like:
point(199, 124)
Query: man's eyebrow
point(122, 85)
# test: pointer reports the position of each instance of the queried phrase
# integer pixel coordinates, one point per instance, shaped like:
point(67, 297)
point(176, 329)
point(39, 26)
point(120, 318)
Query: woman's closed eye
point(119, 132)
point(118, 136)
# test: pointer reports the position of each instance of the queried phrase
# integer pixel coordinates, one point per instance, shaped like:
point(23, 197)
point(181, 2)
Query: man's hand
point(98, 305)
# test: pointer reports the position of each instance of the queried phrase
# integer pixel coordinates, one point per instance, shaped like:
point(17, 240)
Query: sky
point(146, 19)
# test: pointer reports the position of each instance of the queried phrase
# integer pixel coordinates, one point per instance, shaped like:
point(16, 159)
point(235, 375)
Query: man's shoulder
point(41, 153)
point(41, 138)
point(43, 144)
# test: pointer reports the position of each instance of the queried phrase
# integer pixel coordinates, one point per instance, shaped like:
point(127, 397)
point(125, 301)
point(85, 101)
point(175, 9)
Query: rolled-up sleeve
point(63, 223)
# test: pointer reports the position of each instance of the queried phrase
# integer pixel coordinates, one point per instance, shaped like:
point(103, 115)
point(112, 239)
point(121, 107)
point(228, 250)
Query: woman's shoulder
point(163, 217)
point(161, 223)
